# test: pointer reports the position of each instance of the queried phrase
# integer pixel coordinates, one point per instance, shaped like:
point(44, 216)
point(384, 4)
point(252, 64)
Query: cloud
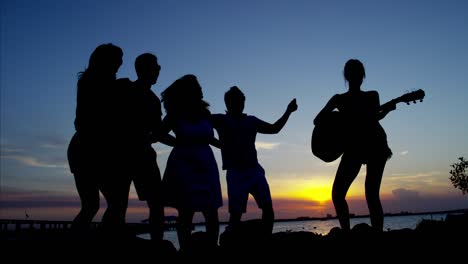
point(34, 162)
point(417, 176)
point(13, 197)
point(48, 159)
point(27, 198)
point(404, 152)
point(51, 146)
point(266, 145)
point(6, 149)
point(52, 142)
point(404, 194)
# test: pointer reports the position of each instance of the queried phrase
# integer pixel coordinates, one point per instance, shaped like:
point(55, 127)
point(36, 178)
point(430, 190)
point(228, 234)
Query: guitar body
point(328, 138)
point(327, 141)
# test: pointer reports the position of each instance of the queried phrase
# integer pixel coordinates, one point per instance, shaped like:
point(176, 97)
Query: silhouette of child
point(237, 134)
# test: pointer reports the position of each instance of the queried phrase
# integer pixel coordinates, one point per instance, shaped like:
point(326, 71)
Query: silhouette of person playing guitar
point(364, 142)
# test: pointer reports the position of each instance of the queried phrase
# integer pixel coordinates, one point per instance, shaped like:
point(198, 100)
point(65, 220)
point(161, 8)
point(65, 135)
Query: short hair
point(142, 61)
point(233, 95)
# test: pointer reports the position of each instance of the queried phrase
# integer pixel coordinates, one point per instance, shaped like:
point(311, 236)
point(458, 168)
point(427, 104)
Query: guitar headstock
point(414, 96)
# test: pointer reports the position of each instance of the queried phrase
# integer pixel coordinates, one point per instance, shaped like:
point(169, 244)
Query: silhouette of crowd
point(118, 120)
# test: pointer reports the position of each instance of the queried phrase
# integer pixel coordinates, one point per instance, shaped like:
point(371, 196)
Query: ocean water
point(324, 226)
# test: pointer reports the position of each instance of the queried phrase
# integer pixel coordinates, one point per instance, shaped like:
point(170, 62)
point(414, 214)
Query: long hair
point(93, 86)
point(184, 99)
point(103, 62)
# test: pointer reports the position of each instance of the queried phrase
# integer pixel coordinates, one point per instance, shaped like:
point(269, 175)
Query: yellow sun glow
point(315, 193)
point(304, 190)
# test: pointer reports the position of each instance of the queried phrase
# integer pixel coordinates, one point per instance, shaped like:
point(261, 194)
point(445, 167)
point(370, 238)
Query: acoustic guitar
point(327, 141)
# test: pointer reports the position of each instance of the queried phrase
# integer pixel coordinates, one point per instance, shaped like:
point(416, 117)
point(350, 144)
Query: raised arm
point(267, 128)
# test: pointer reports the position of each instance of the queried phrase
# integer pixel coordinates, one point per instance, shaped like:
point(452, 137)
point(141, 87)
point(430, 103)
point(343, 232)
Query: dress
point(191, 179)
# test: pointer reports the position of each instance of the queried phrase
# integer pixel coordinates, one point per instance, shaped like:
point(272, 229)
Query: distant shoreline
point(386, 214)
point(303, 218)
point(405, 213)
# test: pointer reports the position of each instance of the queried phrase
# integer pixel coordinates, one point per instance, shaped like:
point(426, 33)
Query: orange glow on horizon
point(307, 190)
point(319, 193)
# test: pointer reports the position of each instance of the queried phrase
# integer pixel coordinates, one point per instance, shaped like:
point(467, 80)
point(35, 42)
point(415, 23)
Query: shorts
point(146, 175)
point(241, 183)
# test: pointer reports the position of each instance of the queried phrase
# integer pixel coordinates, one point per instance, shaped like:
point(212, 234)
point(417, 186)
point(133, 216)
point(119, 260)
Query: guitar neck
point(406, 98)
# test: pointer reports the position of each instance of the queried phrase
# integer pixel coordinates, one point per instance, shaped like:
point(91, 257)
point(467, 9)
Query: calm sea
point(324, 226)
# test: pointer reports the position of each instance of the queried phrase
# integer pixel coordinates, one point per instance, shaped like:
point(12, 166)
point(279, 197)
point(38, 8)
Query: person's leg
point(345, 175)
point(374, 175)
point(237, 196)
point(89, 196)
point(116, 194)
point(184, 228)
point(212, 225)
point(260, 190)
point(147, 183)
point(156, 218)
point(234, 218)
point(86, 183)
point(268, 217)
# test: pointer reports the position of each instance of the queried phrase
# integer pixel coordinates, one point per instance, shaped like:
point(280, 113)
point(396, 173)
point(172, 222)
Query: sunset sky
point(273, 51)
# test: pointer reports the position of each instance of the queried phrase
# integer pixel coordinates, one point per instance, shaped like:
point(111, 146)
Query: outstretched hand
point(292, 106)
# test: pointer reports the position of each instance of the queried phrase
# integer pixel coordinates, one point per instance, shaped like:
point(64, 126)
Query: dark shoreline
point(430, 240)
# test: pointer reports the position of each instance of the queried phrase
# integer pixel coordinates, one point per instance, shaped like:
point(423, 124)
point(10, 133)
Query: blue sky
point(274, 51)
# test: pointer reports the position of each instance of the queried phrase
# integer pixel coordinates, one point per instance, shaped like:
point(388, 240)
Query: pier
point(18, 226)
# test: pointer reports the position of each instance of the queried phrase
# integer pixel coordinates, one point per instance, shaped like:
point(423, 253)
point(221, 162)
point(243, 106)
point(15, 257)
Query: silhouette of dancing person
point(92, 149)
point(191, 178)
point(237, 134)
point(142, 128)
point(365, 143)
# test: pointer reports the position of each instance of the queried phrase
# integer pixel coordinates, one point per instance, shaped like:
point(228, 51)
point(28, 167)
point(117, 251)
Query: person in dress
point(191, 179)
